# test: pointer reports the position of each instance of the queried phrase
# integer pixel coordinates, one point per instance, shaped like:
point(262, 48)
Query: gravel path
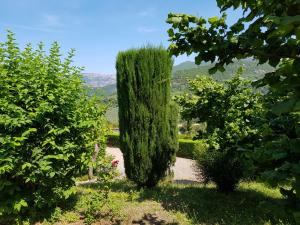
point(184, 169)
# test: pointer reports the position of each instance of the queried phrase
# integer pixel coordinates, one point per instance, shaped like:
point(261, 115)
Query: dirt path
point(184, 169)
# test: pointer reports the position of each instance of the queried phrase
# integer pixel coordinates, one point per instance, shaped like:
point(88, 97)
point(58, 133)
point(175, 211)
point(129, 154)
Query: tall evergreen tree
point(147, 118)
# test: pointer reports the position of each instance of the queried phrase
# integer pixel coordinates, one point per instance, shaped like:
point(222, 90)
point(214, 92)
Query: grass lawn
point(169, 204)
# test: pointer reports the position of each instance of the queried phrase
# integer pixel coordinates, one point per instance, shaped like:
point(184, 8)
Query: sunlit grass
point(252, 203)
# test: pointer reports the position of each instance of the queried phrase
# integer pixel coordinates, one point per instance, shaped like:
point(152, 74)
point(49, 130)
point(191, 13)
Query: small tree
point(231, 111)
point(48, 127)
point(147, 119)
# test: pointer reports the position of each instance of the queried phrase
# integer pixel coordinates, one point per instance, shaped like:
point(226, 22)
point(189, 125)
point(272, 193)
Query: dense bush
point(48, 127)
point(231, 111)
point(224, 169)
point(148, 122)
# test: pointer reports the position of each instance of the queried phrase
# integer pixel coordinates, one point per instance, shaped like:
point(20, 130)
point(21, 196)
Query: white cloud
point(147, 12)
point(147, 29)
point(51, 20)
point(47, 23)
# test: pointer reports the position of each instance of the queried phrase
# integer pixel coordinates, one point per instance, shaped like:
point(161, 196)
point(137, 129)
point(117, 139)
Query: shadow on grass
point(152, 219)
point(205, 205)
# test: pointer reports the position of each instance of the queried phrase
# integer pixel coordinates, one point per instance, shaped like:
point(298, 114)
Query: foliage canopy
point(268, 31)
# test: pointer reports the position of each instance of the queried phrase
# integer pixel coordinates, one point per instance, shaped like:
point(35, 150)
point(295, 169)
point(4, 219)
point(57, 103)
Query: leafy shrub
point(232, 112)
point(147, 117)
point(97, 205)
point(56, 215)
point(48, 127)
point(106, 170)
point(188, 147)
point(93, 208)
point(220, 167)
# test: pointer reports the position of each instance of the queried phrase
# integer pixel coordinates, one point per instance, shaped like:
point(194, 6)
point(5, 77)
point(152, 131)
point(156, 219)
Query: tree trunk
point(94, 158)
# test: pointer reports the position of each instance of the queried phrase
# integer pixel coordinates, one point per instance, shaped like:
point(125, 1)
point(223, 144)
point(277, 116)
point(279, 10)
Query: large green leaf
point(285, 106)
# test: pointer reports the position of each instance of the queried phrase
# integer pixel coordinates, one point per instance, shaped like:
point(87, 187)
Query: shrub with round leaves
point(48, 127)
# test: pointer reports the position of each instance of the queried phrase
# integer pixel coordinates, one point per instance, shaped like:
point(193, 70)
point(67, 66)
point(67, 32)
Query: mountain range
point(182, 73)
point(98, 80)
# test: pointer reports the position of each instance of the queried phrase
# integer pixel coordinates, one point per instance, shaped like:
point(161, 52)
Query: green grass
point(252, 203)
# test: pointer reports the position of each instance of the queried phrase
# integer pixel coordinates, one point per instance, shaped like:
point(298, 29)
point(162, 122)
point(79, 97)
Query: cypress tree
point(147, 118)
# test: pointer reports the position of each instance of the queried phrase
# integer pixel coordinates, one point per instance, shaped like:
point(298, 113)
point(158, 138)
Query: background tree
point(268, 31)
point(147, 119)
point(48, 127)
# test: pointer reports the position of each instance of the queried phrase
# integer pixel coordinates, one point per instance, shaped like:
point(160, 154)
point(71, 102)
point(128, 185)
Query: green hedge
point(186, 146)
point(113, 140)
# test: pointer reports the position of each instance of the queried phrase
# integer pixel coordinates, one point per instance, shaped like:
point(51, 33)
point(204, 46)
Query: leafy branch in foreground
point(268, 31)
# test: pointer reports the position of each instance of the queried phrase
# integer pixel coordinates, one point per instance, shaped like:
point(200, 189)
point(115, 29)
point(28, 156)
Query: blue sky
point(98, 29)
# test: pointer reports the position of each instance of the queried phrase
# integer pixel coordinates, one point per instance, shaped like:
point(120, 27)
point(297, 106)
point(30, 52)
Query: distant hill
point(252, 71)
point(110, 89)
point(189, 70)
point(96, 80)
point(185, 66)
